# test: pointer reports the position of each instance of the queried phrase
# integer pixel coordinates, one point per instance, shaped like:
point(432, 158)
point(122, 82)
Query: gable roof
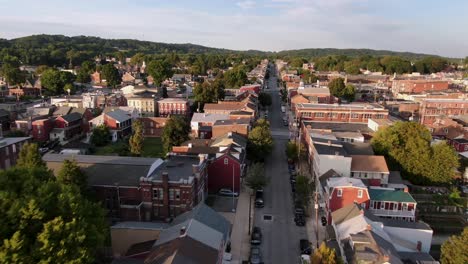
point(369, 163)
point(345, 182)
point(71, 117)
point(229, 138)
point(118, 115)
point(379, 194)
point(63, 110)
point(346, 213)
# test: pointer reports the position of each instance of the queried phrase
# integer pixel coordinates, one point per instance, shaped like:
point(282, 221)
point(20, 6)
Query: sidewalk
point(240, 239)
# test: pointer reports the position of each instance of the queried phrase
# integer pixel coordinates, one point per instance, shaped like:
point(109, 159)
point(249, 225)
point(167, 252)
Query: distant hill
point(52, 49)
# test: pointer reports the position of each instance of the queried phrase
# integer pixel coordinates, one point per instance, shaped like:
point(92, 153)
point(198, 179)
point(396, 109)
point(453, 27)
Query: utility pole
point(316, 217)
point(299, 151)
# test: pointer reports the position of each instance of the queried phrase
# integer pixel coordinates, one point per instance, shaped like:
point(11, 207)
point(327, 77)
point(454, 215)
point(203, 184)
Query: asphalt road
point(280, 235)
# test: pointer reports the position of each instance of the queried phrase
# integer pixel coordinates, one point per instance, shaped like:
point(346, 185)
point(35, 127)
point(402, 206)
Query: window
point(226, 161)
point(405, 207)
point(363, 205)
point(177, 194)
point(382, 205)
point(171, 194)
point(14, 148)
point(359, 193)
point(319, 114)
point(340, 193)
point(161, 193)
point(155, 193)
point(354, 115)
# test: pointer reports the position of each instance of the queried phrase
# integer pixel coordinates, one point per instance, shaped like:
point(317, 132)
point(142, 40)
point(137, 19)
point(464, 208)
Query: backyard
point(152, 148)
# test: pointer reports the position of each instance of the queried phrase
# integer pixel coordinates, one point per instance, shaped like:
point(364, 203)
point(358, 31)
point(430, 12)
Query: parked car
point(285, 123)
point(292, 179)
point(324, 220)
point(227, 192)
point(255, 255)
point(299, 220)
point(259, 203)
point(305, 247)
point(293, 188)
point(256, 237)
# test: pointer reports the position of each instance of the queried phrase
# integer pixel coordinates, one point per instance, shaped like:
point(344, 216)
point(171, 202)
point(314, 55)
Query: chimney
point(190, 145)
point(165, 177)
point(229, 134)
point(182, 231)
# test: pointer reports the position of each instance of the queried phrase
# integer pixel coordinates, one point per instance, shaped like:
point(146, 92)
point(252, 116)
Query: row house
point(418, 86)
point(454, 131)
point(393, 204)
point(153, 126)
point(66, 127)
point(432, 109)
point(239, 126)
point(230, 107)
point(9, 150)
point(346, 113)
point(201, 123)
point(118, 122)
point(370, 168)
point(255, 88)
point(142, 189)
point(19, 91)
point(173, 106)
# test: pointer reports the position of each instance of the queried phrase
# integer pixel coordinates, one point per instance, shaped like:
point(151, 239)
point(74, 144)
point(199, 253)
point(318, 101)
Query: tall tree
point(101, 136)
point(406, 146)
point(209, 92)
point(303, 189)
point(12, 74)
point(45, 221)
point(175, 132)
point(349, 93)
point(160, 70)
point(453, 250)
point(236, 77)
point(71, 173)
point(264, 99)
point(29, 156)
point(111, 75)
point(54, 80)
point(136, 139)
point(337, 87)
point(256, 178)
point(137, 59)
point(260, 141)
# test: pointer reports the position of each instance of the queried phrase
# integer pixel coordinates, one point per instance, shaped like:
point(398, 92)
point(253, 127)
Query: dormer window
point(339, 192)
point(226, 161)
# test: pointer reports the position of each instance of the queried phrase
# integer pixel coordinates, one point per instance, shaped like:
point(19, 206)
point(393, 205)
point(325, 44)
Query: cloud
point(248, 4)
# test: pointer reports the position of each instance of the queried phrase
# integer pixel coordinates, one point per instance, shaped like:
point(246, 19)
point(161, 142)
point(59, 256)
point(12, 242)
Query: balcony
point(393, 213)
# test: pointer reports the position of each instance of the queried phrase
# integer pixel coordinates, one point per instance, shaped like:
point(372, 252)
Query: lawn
point(152, 148)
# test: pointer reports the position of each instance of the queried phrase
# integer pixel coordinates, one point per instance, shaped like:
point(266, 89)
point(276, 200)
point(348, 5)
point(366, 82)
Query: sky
point(422, 26)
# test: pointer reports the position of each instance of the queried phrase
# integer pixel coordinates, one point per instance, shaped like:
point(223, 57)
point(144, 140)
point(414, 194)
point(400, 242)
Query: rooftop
point(380, 194)
point(207, 117)
point(106, 170)
point(230, 122)
point(345, 213)
point(369, 163)
point(12, 140)
point(118, 115)
point(338, 127)
point(178, 167)
point(341, 106)
point(345, 182)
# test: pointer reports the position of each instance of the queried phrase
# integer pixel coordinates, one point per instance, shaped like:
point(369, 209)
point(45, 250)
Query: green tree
point(260, 141)
point(54, 80)
point(111, 75)
point(406, 146)
point(45, 221)
point(309, 78)
point(175, 132)
point(256, 178)
point(160, 70)
point(303, 189)
point(136, 139)
point(352, 67)
point(86, 69)
point(71, 173)
point(12, 74)
point(297, 62)
point(208, 92)
point(325, 255)
point(101, 136)
point(337, 87)
point(71, 55)
point(137, 59)
point(349, 93)
point(453, 250)
point(292, 151)
point(29, 156)
point(235, 77)
point(265, 99)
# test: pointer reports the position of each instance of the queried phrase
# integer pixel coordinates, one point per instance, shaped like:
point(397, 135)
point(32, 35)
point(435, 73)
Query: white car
point(227, 192)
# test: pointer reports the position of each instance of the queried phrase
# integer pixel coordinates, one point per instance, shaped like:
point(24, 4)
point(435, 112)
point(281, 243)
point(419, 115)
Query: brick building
point(41, 129)
point(142, 189)
point(346, 113)
point(9, 150)
point(432, 109)
point(173, 106)
point(118, 122)
point(153, 126)
point(240, 126)
point(418, 86)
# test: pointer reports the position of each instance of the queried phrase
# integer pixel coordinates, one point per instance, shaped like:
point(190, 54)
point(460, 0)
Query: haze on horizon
point(432, 27)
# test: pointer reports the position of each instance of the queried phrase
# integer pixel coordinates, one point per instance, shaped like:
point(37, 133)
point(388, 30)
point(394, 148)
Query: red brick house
point(173, 106)
point(226, 169)
point(432, 109)
point(142, 189)
point(251, 88)
point(240, 126)
point(41, 129)
point(346, 113)
point(153, 126)
point(418, 86)
point(118, 121)
point(66, 127)
point(460, 144)
point(338, 192)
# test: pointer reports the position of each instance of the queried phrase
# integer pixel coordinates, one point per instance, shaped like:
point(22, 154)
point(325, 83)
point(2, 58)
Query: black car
point(299, 210)
point(299, 220)
point(292, 179)
point(256, 237)
point(293, 188)
point(259, 203)
point(305, 247)
point(255, 255)
point(324, 221)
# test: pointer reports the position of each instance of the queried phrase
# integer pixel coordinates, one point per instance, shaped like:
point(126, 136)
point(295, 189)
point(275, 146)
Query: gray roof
point(231, 122)
point(207, 117)
point(178, 168)
point(207, 216)
point(346, 213)
point(417, 258)
point(11, 140)
point(63, 110)
point(228, 138)
point(323, 148)
point(106, 170)
point(339, 127)
point(358, 148)
point(140, 225)
point(72, 117)
point(119, 115)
